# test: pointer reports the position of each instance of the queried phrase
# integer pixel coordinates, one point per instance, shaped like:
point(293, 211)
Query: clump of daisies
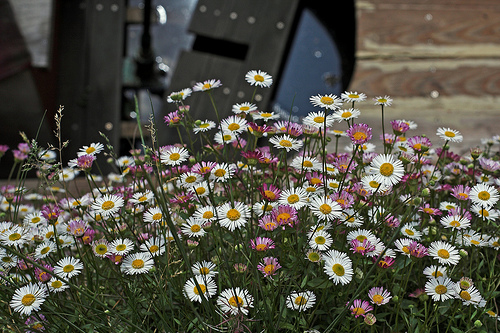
point(291, 232)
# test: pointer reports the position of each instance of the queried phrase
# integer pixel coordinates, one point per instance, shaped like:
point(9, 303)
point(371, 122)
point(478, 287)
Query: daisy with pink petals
point(269, 266)
point(262, 244)
point(359, 133)
point(360, 308)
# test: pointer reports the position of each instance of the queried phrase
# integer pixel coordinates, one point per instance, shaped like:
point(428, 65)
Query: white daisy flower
point(434, 271)
point(28, 298)
point(445, 253)
point(44, 249)
point(350, 96)
point(7, 260)
point(307, 163)
point(203, 126)
point(440, 289)
point(387, 169)
point(233, 124)
point(262, 207)
point(55, 285)
point(92, 149)
point(455, 222)
point(68, 267)
point(205, 214)
point(384, 101)
point(345, 114)
point(338, 266)
point(318, 119)
point(33, 219)
point(410, 231)
point(296, 197)
point(484, 195)
point(121, 246)
point(235, 300)
point(15, 236)
point(468, 296)
point(200, 190)
point(146, 197)
point(125, 161)
point(179, 95)
point(107, 205)
point(153, 215)
point(137, 263)
point(189, 178)
point(331, 102)
point(287, 142)
point(449, 134)
point(154, 246)
point(233, 217)
point(101, 248)
point(205, 287)
point(222, 172)
point(204, 268)
point(266, 116)
point(259, 78)
point(325, 208)
point(174, 156)
point(245, 107)
point(300, 301)
point(320, 240)
point(224, 138)
point(193, 228)
point(207, 85)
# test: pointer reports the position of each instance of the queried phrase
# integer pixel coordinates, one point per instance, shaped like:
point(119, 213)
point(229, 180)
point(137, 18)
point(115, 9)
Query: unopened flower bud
point(417, 201)
point(463, 253)
point(478, 323)
point(475, 152)
point(426, 191)
point(370, 319)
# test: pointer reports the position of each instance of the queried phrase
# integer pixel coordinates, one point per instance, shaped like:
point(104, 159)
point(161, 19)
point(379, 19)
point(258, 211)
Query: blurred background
point(439, 60)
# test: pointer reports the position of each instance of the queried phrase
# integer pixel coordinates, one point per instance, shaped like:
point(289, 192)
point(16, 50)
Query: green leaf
point(456, 330)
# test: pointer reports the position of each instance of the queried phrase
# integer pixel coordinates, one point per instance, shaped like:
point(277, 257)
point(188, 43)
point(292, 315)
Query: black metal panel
point(90, 53)
point(262, 27)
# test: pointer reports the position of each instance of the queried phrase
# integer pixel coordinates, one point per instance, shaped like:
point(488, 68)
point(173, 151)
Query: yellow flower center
point(437, 274)
point(175, 156)
point(440, 289)
point(449, 134)
point(386, 169)
point(121, 247)
point(56, 284)
point(157, 216)
point(442, 253)
point(327, 100)
point(101, 249)
point(200, 190)
point(359, 136)
point(233, 127)
point(417, 146)
point(406, 249)
point(204, 125)
point(313, 256)
point(475, 242)
point(300, 301)
point(325, 209)
point(269, 269)
point(137, 264)
point(455, 223)
point(235, 301)
point(307, 164)
point(90, 150)
point(154, 248)
point(378, 299)
point(45, 250)
point(204, 270)
point(285, 143)
point(261, 247)
point(483, 195)
point(202, 288)
point(463, 196)
point(107, 205)
point(244, 108)
point(353, 96)
point(266, 114)
point(227, 137)
point(207, 86)
point(28, 299)
point(233, 214)
point(346, 114)
point(195, 228)
point(68, 268)
point(35, 220)
point(465, 295)
point(361, 238)
point(258, 78)
point(338, 269)
point(428, 210)
point(358, 311)
point(320, 240)
point(294, 198)
point(220, 173)
point(208, 215)
point(283, 217)
point(484, 212)
point(382, 100)
point(373, 184)
point(14, 237)
point(319, 119)
point(270, 194)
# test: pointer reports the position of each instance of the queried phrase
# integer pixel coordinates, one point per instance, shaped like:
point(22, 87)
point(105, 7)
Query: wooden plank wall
point(438, 59)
